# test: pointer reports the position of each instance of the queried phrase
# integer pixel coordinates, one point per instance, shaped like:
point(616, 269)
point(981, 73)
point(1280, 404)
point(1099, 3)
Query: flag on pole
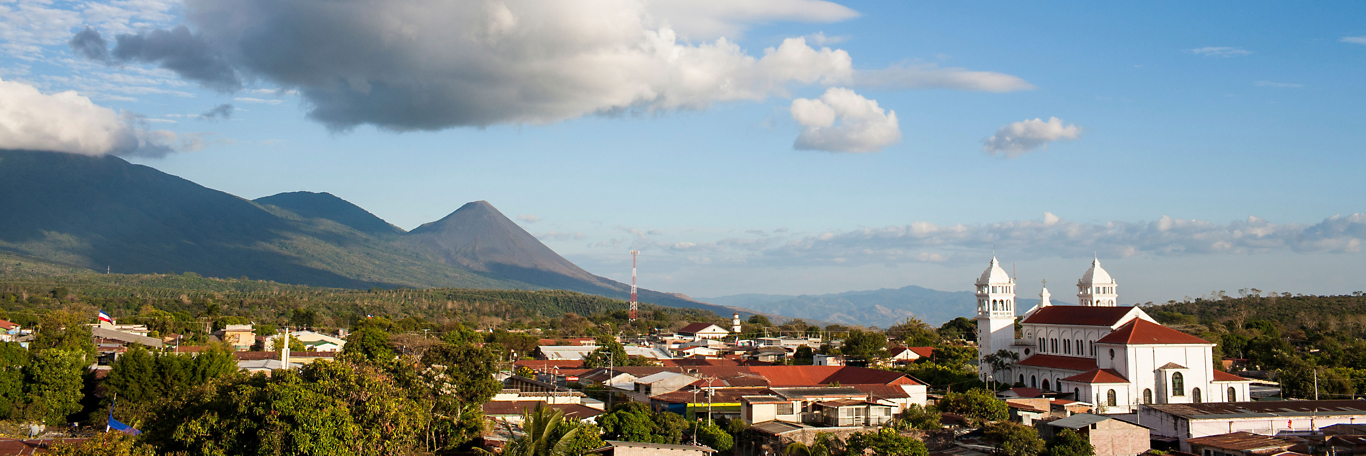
point(117, 425)
point(105, 317)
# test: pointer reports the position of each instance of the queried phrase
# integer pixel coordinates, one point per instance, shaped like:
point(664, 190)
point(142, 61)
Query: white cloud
point(1283, 85)
point(843, 121)
point(71, 123)
point(1220, 51)
point(435, 64)
point(257, 100)
point(1354, 39)
point(528, 218)
point(820, 39)
point(1019, 137)
point(931, 76)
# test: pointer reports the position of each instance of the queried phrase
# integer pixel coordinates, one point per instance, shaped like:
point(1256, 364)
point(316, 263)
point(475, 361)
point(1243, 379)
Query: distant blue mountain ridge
point(881, 308)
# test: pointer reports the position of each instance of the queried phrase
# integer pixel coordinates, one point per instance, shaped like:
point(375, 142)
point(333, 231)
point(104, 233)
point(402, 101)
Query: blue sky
point(1205, 114)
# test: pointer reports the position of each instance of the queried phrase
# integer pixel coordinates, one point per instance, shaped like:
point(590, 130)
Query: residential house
point(827, 360)
point(1187, 421)
point(9, 331)
point(241, 337)
point(661, 383)
point(852, 412)
point(1109, 436)
point(697, 331)
point(902, 356)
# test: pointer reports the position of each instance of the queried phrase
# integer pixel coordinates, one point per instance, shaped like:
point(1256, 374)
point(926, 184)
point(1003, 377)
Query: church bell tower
point(995, 312)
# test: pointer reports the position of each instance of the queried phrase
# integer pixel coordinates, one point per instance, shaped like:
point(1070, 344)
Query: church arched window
point(1033, 381)
point(1232, 394)
point(1178, 384)
point(1045, 384)
point(1111, 399)
point(1053, 343)
point(1147, 395)
point(1021, 379)
point(1195, 396)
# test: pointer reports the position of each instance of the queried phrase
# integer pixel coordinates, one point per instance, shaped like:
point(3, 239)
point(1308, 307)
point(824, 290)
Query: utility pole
point(633, 285)
point(1316, 383)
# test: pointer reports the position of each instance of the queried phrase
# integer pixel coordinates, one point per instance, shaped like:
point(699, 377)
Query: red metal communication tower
point(633, 284)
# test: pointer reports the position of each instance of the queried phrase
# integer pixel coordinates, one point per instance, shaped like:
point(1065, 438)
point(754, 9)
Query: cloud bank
point(1050, 237)
point(842, 121)
point(1019, 137)
point(71, 123)
point(433, 64)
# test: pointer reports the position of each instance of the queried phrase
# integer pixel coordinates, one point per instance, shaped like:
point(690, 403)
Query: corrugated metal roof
point(1241, 441)
point(1078, 421)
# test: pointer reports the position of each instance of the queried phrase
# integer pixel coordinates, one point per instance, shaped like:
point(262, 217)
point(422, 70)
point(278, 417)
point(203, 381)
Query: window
point(1111, 399)
point(785, 409)
point(1195, 395)
point(1093, 347)
point(1066, 348)
point(1147, 395)
point(1045, 384)
point(1022, 376)
point(1054, 344)
point(1112, 353)
point(1041, 347)
point(1178, 384)
point(1033, 381)
point(1232, 394)
point(1081, 348)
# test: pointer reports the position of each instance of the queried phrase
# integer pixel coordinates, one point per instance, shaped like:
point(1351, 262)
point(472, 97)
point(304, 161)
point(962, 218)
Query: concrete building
point(1182, 422)
point(1114, 357)
point(1109, 436)
point(241, 337)
point(1240, 444)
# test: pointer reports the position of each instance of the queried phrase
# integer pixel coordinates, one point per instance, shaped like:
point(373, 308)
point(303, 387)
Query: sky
point(769, 146)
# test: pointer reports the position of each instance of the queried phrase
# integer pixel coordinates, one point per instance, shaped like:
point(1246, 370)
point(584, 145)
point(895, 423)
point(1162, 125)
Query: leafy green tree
point(610, 351)
point(760, 320)
point(524, 371)
point(546, 433)
point(1069, 443)
point(913, 333)
point(865, 346)
point(13, 360)
point(959, 328)
point(885, 441)
point(64, 330)
point(712, 435)
point(804, 356)
point(953, 355)
point(1015, 439)
point(295, 345)
point(917, 417)
point(634, 422)
point(53, 385)
point(368, 343)
point(823, 445)
point(106, 444)
point(999, 361)
point(976, 404)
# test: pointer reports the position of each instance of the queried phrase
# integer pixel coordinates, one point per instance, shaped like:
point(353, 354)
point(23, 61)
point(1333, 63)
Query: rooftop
point(508, 408)
point(653, 446)
point(1221, 376)
point(1078, 421)
point(1079, 315)
point(1220, 410)
point(1241, 441)
point(1144, 332)
point(694, 328)
point(1098, 376)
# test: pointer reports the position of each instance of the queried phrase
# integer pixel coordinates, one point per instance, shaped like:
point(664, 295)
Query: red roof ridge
point(1144, 332)
point(1059, 362)
point(1098, 376)
point(1078, 315)
point(1221, 376)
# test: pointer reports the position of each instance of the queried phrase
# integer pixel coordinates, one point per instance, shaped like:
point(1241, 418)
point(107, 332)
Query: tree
point(760, 320)
point(610, 351)
point(545, 433)
point(524, 371)
point(106, 444)
point(1001, 360)
point(1015, 439)
point(917, 417)
point(913, 333)
point(953, 355)
point(1069, 443)
point(959, 328)
point(368, 343)
point(885, 441)
point(53, 385)
point(634, 422)
point(823, 445)
point(63, 330)
point(13, 360)
point(711, 434)
point(976, 404)
point(865, 346)
point(804, 356)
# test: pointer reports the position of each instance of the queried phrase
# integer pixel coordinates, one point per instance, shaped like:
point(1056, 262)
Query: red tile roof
point(1078, 315)
point(40, 446)
point(1027, 392)
point(1221, 376)
point(7, 325)
point(924, 352)
point(778, 376)
point(1144, 332)
point(883, 391)
point(1059, 362)
point(722, 395)
point(694, 328)
point(1098, 376)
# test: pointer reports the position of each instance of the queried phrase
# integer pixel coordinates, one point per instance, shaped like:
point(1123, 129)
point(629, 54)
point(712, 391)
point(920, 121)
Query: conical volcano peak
point(478, 215)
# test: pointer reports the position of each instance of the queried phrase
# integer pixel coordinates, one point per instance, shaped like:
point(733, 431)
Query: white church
point(1114, 357)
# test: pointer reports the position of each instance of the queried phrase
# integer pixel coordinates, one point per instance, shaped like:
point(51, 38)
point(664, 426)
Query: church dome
point(994, 274)
point(1096, 275)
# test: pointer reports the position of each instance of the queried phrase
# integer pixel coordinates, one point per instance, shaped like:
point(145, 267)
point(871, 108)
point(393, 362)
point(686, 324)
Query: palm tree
point(820, 447)
point(1001, 360)
point(542, 434)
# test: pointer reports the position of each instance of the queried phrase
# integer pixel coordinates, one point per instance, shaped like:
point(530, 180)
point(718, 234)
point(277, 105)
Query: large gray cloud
point(433, 64)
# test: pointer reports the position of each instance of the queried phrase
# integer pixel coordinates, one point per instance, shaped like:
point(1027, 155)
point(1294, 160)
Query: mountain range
point(105, 214)
point(881, 308)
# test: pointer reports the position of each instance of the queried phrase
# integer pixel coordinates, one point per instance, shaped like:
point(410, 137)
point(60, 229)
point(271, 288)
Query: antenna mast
point(633, 284)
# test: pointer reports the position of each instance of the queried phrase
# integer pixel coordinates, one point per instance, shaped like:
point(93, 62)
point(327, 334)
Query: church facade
point(1111, 356)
